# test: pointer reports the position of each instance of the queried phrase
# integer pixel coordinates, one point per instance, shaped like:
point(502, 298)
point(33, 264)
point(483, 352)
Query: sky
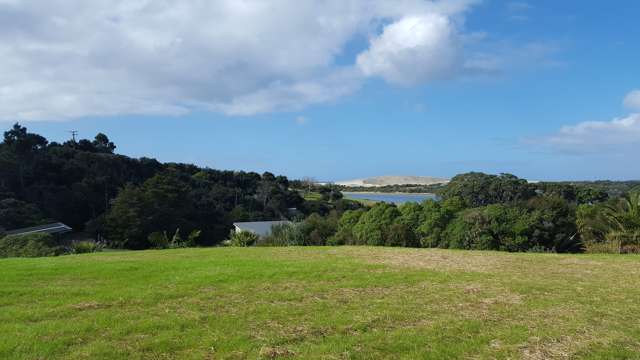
point(335, 89)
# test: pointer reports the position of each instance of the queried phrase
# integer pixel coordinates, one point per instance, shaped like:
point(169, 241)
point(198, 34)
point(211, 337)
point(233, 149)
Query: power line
point(73, 134)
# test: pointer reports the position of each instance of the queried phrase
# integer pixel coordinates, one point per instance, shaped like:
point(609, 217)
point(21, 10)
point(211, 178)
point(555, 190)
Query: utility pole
point(73, 134)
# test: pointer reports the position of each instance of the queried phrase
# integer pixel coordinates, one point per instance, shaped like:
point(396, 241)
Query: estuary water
point(396, 198)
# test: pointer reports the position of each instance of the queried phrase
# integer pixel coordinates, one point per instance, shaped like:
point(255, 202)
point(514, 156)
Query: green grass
point(324, 303)
point(311, 196)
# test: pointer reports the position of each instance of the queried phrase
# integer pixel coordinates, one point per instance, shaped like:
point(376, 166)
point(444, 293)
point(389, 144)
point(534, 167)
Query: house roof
point(261, 228)
point(53, 228)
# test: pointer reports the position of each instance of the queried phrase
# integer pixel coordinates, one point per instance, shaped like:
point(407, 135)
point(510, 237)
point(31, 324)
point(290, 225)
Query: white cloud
point(594, 136)
point(302, 120)
point(632, 100)
point(64, 59)
point(413, 50)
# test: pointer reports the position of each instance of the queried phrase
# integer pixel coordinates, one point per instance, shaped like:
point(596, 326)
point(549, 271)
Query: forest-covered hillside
point(86, 185)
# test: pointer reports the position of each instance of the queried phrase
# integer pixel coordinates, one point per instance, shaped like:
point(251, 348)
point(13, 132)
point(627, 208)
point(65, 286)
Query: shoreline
point(390, 193)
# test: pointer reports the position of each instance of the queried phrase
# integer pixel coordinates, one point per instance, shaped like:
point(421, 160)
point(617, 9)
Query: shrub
point(400, 234)
point(316, 229)
point(30, 245)
point(84, 247)
point(372, 227)
point(160, 240)
point(242, 238)
point(283, 235)
point(344, 234)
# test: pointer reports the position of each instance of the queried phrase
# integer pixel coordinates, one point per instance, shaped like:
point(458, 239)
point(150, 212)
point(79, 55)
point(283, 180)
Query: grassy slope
point(320, 303)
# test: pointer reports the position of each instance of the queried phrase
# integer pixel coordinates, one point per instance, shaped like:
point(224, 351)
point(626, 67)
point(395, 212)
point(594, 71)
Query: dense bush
point(515, 219)
point(316, 229)
point(30, 245)
point(478, 189)
point(344, 232)
point(242, 239)
point(373, 226)
point(284, 235)
point(85, 185)
point(160, 240)
point(85, 247)
point(613, 226)
point(136, 203)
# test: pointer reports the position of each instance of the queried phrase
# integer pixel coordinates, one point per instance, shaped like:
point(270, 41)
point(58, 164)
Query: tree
point(126, 222)
point(554, 224)
point(494, 227)
point(400, 234)
point(316, 229)
point(478, 189)
point(434, 220)
point(102, 144)
point(17, 214)
point(24, 145)
point(372, 228)
point(344, 234)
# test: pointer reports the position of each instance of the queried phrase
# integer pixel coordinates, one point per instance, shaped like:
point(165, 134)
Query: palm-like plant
point(623, 220)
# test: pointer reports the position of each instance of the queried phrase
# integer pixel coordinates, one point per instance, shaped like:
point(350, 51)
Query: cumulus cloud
point(632, 100)
point(595, 136)
point(64, 59)
point(413, 50)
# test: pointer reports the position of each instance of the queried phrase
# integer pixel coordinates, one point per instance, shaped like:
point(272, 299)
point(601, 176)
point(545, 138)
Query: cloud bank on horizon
point(72, 58)
point(598, 136)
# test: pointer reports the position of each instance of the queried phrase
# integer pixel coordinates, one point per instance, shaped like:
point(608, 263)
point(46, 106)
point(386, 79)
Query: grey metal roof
point(54, 228)
point(260, 228)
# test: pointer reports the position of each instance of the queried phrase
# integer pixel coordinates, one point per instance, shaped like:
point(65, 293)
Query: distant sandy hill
point(394, 180)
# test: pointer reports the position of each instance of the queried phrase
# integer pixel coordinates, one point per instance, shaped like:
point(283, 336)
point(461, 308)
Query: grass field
point(323, 303)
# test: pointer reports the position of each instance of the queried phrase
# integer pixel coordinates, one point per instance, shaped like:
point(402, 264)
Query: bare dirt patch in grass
point(267, 352)
point(564, 347)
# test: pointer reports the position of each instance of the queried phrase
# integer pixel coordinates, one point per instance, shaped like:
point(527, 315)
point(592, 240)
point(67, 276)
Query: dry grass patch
point(564, 347)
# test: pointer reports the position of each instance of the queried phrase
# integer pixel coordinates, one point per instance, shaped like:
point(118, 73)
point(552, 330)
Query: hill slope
point(341, 302)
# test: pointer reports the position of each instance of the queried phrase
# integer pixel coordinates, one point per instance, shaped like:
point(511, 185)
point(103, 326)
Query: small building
point(53, 229)
point(260, 228)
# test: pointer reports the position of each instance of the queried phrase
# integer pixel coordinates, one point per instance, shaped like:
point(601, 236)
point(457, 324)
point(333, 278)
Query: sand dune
point(393, 180)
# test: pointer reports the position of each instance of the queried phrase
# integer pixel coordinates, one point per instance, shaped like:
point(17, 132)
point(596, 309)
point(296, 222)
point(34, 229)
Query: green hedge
point(30, 245)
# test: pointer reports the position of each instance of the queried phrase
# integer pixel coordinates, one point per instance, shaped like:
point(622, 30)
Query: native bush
point(30, 245)
point(85, 247)
point(316, 229)
point(284, 235)
point(160, 240)
point(373, 226)
point(242, 239)
point(400, 234)
point(344, 234)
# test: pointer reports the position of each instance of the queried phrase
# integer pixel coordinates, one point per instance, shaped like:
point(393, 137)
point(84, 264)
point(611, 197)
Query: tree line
point(481, 212)
point(122, 200)
point(143, 203)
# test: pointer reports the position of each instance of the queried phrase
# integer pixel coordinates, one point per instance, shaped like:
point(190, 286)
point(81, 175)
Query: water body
point(396, 198)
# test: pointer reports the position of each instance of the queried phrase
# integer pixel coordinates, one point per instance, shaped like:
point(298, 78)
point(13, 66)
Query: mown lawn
point(324, 303)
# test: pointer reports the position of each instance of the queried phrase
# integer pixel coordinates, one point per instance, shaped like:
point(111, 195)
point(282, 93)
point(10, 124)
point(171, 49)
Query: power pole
point(73, 134)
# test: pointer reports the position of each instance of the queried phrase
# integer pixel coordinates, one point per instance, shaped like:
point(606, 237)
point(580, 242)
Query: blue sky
point(545, 90)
